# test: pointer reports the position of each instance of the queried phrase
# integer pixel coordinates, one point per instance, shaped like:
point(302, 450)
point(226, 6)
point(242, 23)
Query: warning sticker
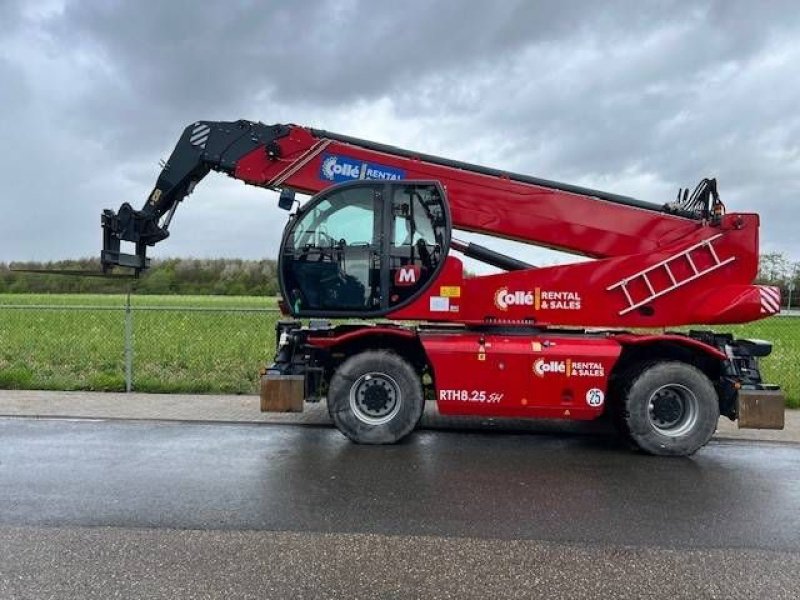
point(450, 291)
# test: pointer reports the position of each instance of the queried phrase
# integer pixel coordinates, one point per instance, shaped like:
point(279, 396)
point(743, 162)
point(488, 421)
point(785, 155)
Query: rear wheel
point(375, 397)
point(669, 408)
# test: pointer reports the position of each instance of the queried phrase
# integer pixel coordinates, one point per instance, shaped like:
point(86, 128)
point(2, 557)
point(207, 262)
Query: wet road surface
point(487, 512)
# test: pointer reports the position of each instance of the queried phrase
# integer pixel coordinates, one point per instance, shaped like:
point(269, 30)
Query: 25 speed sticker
point(595, 397)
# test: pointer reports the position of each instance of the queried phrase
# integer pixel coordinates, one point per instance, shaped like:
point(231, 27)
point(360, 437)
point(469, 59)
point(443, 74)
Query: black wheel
point(668, 408)
point(375, 398)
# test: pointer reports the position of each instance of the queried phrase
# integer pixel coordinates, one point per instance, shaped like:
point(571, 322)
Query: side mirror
point(286, 200)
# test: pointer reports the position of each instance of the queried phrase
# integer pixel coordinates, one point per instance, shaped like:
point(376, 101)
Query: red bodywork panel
point(553, 376)
point(630, 339)
point(707, 278)
point(579, 294)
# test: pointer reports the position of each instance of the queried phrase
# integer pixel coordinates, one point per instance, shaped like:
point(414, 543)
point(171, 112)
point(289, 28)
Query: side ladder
point(669, 266)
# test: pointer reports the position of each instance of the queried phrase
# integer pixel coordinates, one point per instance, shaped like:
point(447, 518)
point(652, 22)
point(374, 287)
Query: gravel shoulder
point(100, 563)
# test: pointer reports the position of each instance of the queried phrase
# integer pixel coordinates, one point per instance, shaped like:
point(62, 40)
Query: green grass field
point(212, 344)
point(180, 343)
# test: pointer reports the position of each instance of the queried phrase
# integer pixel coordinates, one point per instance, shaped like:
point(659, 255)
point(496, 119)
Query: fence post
point(128, 345)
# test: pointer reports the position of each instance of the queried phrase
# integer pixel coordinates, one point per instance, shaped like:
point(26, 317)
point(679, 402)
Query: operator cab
point(364, 248)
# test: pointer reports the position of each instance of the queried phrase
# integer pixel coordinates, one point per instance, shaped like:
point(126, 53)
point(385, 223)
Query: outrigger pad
point(761, 409)
point(282, 393)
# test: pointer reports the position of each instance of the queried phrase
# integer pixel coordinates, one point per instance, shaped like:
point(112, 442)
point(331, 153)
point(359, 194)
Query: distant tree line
point(237, 277)
point(774, 268)
point(223, 276)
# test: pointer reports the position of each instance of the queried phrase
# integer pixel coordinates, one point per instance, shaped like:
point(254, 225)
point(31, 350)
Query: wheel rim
point(375, 398)
point(673, 410)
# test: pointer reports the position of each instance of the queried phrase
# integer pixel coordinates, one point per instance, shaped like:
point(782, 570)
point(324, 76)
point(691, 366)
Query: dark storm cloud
point(629, 96)
point(194, 58)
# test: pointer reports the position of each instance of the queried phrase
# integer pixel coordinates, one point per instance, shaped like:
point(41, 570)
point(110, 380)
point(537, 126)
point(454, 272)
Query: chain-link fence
point(126, 346)
point(198, 345)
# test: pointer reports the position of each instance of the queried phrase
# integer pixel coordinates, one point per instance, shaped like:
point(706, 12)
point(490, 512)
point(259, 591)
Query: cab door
point(418, 239)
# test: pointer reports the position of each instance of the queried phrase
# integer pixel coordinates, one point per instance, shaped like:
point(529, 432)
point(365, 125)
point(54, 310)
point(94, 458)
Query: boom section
point(482, 200)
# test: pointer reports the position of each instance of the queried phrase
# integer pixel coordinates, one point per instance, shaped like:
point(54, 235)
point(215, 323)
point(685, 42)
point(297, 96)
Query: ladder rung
point(671, 276)
point(691, 263)
point(647, 282)
point(713, 252)
point(627, 294)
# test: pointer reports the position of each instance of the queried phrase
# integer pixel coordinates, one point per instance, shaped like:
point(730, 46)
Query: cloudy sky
point(637, 98)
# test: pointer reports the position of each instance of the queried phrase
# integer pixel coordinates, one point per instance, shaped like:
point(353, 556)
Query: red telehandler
point(376, 242)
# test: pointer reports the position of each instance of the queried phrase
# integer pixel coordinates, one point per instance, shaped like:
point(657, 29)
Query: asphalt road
point(143, 509)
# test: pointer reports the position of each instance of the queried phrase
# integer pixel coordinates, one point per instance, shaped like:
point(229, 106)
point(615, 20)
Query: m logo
point(408, 275)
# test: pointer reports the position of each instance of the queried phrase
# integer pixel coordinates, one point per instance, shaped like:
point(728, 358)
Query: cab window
point(333, 261)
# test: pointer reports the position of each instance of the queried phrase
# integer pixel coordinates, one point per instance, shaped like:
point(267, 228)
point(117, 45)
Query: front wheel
point(669, 408)
point(375, 397)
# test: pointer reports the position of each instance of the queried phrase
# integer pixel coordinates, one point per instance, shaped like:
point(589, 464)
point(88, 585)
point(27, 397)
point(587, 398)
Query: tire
point(375, 397)
point(668, 408)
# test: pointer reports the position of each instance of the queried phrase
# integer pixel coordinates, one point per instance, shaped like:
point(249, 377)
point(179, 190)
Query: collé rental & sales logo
point(568, 367)
point(538, 298)
point(339, 168)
